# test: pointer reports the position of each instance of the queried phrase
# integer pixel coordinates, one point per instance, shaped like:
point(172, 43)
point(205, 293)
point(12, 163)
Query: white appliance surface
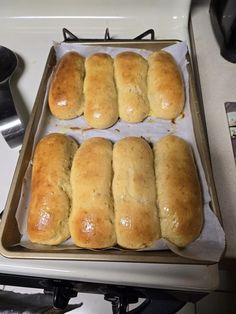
point(29, 28)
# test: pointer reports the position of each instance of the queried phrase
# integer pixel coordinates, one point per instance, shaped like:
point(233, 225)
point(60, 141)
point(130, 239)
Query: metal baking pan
point(9, 233)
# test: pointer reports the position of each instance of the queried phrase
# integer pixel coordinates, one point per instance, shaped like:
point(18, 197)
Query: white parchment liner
point(211, 242)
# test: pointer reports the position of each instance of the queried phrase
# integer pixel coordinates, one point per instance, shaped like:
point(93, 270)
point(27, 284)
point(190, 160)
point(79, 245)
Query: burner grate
point(70, 37)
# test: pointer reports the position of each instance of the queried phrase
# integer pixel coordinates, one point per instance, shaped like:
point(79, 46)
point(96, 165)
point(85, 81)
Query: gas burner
point(70, 37)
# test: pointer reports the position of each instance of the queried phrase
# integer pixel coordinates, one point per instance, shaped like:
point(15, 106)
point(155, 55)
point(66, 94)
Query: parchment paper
point(211, 243)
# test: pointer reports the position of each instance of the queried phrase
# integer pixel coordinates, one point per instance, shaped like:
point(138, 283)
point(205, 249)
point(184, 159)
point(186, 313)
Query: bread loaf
point(50, 202)
point(134, 192)
point(165, 86)
point(92, 218)
point(66, 89)
point(131, 81)
point(101, 108)
point(178, 191)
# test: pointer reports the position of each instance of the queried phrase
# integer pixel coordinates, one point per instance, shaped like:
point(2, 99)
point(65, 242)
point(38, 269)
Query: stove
point(29, 30)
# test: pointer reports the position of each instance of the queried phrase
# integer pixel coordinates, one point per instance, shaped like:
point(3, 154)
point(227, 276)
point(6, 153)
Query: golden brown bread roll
point(92, 218)
point(178, 191)
point(134, 192)
point(50, 202)
point(165, 86)
point(131, 82)
point(100, 108)
point(66, 89)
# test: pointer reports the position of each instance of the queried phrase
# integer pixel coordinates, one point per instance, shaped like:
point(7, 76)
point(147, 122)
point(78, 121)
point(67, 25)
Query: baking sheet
point(210, 245)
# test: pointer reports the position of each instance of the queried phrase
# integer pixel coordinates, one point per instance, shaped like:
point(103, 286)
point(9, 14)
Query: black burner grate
point(70, 37)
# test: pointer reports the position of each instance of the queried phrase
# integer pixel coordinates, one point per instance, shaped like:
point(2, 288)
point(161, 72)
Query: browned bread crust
point(92, 218)
point(178, 191)
point(134, 192)
point(50, 202)
point(100, 108)
point(66, 89)
point(131, 80)
point(165, 86)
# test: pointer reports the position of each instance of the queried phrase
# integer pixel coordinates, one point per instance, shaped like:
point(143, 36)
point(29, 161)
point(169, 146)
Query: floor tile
point(189, 308)
point(217, 303)
point(227, 281)
point(92, 303)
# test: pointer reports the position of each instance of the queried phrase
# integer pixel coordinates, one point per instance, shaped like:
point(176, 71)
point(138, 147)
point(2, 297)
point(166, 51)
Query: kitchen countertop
point(217, 79)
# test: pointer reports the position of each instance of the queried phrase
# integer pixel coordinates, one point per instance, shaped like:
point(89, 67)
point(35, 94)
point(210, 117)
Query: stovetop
point(29, 30)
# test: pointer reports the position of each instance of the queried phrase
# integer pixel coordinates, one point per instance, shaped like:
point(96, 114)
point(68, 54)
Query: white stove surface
point(29, 29)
